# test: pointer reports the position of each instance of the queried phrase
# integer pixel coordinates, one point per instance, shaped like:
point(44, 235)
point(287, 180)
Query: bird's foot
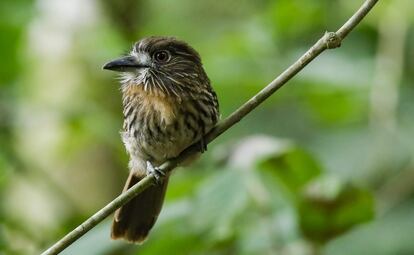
point(156, 171)
point(202, 145)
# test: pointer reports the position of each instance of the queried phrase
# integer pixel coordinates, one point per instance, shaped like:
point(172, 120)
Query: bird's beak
point(124, 64)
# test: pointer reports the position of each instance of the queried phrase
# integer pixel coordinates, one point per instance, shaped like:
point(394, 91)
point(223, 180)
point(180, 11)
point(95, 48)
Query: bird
point(168, 105)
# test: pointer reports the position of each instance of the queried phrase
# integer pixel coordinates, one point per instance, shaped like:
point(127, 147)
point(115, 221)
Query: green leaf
point(328, 208)
point(292, 169)
point(219, 200)
point(390, 234)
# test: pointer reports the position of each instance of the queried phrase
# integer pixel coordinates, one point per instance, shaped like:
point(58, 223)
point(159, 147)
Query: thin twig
point(329, 41)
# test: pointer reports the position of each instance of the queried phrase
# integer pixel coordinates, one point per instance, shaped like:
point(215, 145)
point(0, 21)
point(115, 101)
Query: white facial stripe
point(142, 57)
point(140, 44)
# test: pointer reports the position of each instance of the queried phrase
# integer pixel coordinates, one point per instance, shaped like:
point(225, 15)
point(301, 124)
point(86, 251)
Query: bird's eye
point(162, 56)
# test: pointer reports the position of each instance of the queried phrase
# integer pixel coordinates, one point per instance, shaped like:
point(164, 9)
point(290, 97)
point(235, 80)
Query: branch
point(328, 41)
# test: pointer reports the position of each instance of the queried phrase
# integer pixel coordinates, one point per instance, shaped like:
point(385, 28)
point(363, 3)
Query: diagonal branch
point(328, 41)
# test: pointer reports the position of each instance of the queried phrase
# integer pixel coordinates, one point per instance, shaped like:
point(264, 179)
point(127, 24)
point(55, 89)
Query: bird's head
point(161, 64)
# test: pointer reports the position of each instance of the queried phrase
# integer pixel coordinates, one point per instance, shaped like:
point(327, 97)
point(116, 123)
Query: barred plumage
point(168, 104)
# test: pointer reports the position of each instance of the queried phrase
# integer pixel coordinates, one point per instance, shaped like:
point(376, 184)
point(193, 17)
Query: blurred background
point(325, 166)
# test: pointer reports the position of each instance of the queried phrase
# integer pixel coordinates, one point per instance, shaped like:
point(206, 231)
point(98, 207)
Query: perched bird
point(168, 105)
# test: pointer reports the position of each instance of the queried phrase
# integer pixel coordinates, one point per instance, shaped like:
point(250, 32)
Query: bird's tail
point(135, 219)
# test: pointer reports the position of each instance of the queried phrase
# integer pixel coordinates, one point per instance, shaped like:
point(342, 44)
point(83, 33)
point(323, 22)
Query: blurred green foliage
point(325, 166)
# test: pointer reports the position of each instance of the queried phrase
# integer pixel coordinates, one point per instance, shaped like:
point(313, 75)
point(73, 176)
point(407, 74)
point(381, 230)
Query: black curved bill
point(123, 64)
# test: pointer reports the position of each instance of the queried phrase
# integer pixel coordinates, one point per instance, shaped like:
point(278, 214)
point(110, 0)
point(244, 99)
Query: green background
point(324, 166)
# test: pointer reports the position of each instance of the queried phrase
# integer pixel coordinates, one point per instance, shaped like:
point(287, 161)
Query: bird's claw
point(156, 171)
point(202, 145)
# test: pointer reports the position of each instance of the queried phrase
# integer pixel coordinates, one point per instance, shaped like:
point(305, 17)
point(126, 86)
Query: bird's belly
point(160, 145)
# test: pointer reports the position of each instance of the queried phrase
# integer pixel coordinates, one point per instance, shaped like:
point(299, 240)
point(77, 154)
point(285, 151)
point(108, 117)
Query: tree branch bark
point(329, 40)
